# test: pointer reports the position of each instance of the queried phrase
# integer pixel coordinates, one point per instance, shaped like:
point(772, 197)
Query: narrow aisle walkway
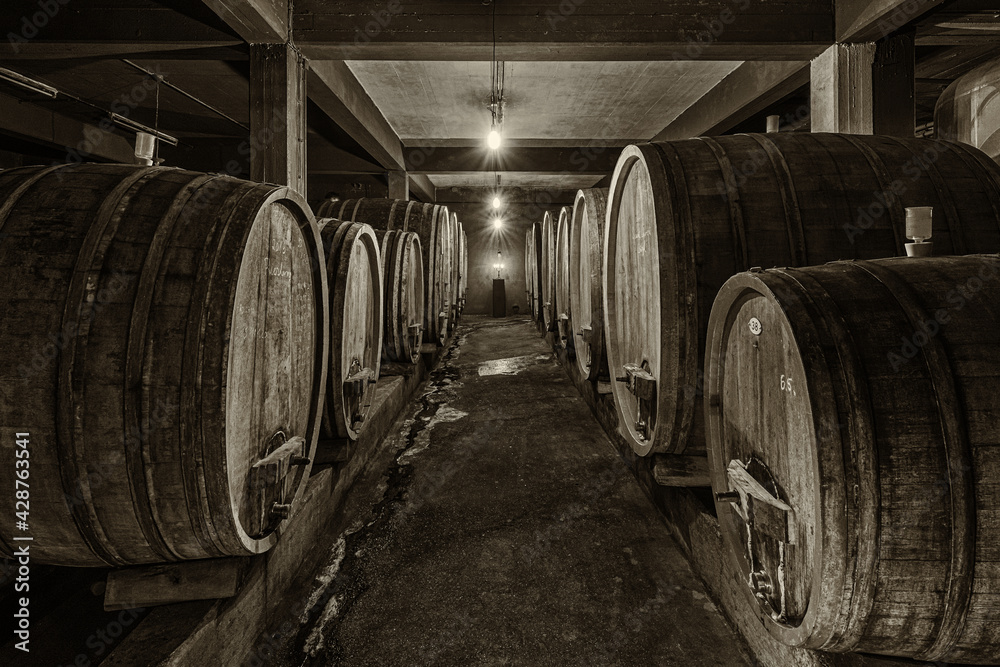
point(510, 533)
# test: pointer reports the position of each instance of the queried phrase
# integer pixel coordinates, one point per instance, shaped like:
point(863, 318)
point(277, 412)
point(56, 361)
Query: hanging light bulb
point(497, 224)
point(493, 139)
point(496, 202)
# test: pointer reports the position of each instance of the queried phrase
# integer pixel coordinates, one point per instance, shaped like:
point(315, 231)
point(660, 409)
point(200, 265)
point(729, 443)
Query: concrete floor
point(506, 532)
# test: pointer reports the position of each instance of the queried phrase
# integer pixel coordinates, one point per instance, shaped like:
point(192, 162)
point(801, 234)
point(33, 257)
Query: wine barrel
point(536, 272)
point(683, 216)
point(562, 278)
point(463, 278)
point(529, 288)
point(378, 212)
point(430, 223)
point(403, 295)
point(548, 273)
point(852, 430)
point(164, 350)
point(356, 311)
point(585, 298)
point(969, 111)
point(456, 270)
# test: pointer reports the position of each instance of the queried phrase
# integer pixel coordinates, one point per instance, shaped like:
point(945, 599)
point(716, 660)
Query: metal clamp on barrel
point(642, 384)
point(273, 471)
point(442, 321)
point(586, 333)
point(765, 515)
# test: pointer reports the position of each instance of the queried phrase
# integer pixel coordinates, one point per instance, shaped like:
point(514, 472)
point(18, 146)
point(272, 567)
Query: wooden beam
point(82, 141)
point(256, 21)
point(571, 160)
point(953, 62)
point(748, 89)
point(559, 30)
point(89, 29)
point(510, 195)
point(954, 25)
point(337, 92)
point(277, 116)
point(869, 20)
point(398, 185)
point(422, 187)
point(324, 157)
point(893, 94)
point(187, 50)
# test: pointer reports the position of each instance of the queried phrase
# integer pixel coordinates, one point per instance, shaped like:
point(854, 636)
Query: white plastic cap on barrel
point(145, 144)
point(918, 228)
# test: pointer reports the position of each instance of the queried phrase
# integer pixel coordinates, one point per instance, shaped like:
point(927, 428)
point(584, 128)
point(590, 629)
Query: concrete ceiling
point(439, 103)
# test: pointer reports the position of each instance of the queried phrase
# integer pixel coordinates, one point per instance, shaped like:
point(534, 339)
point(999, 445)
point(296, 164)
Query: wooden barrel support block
point(585, 285)
point(563, 315)
point(355, 270)
point(174, 410)
point(683, 216)
point(852, 420)
point(403, 296)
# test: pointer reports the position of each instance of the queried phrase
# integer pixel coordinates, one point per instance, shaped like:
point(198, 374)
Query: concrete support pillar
point(841, 89)
point(399, 186)
point(278, 116)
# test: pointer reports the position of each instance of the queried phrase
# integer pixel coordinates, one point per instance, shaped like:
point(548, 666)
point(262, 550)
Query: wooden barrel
point(164, 350)
point(548, 273)
point(403, 295)
point(456, 270)
point(463, 276)
point(562, 278)
point(969, 110)
point(585, 295)
point(683, 216)
point(536, 273)
point(430, 223)
point(529, 288)
point(356, 311)
point(375, 211)
point(853, 415)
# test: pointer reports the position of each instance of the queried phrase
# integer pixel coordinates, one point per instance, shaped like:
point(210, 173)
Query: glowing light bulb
point(496, 202)
point(493, 139)
point(497, 223)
